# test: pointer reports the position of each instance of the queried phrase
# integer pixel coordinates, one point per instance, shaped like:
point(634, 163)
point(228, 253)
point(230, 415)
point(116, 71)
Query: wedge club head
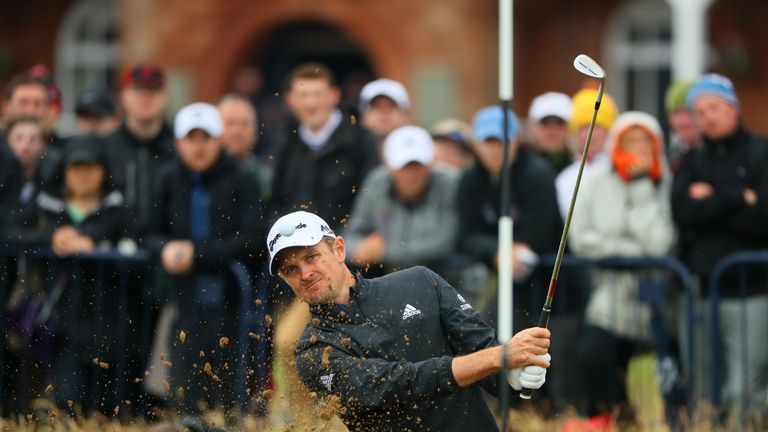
point(584, 64)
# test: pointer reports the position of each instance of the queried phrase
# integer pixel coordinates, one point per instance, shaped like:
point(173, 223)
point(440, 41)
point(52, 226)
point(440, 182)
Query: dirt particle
point(147, 373)
point(334, 403)
point(207, 368)
point(315, 322)
point(117, 409)
point(266, 393)
point(103, 365)
point(96, 361)
point(51, 416)
point(182, 336)
point(202, 354)
point(254, 336)
point(224, 341)
point(268, 319)
point(257, 301)
point(162, 357)
point(166, 386)
point(313, 338)
point(49, 389)
point(326, 356)
point(167, 363)
point(70, 403)
point(345, 341)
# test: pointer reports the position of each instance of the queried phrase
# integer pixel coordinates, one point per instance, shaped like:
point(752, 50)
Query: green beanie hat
point(675, 97)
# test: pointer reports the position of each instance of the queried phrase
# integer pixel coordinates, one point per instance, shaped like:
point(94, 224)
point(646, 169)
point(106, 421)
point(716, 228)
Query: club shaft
point(547, 309)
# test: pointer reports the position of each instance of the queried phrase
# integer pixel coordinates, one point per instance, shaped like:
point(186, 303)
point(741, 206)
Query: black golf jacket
point(387, 356)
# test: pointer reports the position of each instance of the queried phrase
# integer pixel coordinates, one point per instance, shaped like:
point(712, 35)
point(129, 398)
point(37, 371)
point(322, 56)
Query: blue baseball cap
point(489, 123)
point(713, 85)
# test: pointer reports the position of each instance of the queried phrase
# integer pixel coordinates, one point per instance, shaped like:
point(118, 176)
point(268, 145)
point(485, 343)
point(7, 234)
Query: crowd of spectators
point(195, 195)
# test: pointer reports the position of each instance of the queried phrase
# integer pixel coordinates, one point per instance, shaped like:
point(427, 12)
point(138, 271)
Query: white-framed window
point(86, 53)
point(639, 56)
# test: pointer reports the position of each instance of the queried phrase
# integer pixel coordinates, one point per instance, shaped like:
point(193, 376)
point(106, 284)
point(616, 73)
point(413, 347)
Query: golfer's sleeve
point(463, 327)
point(372, 382)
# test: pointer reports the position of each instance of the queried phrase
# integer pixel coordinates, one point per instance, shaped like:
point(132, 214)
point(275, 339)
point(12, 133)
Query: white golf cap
point(296, 229)
point(198, 115)
point(408, 144)
point(384, 87)
point(551, 104)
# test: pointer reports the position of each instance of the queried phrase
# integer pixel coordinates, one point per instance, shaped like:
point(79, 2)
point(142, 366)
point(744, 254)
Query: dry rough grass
point(47, 418)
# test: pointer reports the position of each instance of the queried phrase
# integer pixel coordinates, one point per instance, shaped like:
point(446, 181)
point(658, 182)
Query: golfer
point(400, 352)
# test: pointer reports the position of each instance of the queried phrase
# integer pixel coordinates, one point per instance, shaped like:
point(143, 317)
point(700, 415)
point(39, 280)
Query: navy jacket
point(388, 355)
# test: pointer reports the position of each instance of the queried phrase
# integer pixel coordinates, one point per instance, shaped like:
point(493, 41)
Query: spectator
point(323, 165)
point(400, 352)
point(623, 210)
point(142, 143)
point(96, 113)
point(532, 197)
point(240, 137)
point(548, 116)
point(452, 144)
point(78, 210)
point(583, 108)
point(384, 107)
point(685, 135)
point(52, 110)
point(26, 138)
point(24, 96)
point(406, 214)
point(206, 213)
point(720, 204)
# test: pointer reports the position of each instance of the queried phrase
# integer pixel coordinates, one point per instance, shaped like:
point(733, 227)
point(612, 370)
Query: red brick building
point(444, 51)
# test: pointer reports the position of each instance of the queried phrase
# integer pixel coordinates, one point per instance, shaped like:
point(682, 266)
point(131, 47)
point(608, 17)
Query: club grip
point(526, 393)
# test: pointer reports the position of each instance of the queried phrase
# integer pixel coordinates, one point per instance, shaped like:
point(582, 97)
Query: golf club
point(590, 68)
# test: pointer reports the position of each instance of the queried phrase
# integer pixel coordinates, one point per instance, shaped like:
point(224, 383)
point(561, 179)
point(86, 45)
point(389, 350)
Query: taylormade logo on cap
point(296, 229)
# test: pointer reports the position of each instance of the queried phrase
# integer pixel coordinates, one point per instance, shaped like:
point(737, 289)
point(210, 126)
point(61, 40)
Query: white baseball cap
point(552, 104)
point(384, 87)
point(198, 115)
point(408, 144)
point(296, 229)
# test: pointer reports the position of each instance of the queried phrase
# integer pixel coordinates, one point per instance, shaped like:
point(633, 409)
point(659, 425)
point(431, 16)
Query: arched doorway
point(263, 72)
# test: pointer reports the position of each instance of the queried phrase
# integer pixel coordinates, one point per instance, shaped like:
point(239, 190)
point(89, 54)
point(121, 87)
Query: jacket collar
point(740, 136)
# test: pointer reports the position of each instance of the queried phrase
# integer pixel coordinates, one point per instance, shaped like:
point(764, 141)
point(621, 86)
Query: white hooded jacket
point(613, 218)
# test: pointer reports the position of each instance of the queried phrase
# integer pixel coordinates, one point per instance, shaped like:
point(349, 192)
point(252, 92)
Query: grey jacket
point(415, 234)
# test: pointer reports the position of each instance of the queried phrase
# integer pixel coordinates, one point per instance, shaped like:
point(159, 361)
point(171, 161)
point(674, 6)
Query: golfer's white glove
point(531, 377)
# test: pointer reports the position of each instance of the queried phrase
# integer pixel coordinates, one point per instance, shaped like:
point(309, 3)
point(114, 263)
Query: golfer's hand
point(530, 377)
point(526, 348)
